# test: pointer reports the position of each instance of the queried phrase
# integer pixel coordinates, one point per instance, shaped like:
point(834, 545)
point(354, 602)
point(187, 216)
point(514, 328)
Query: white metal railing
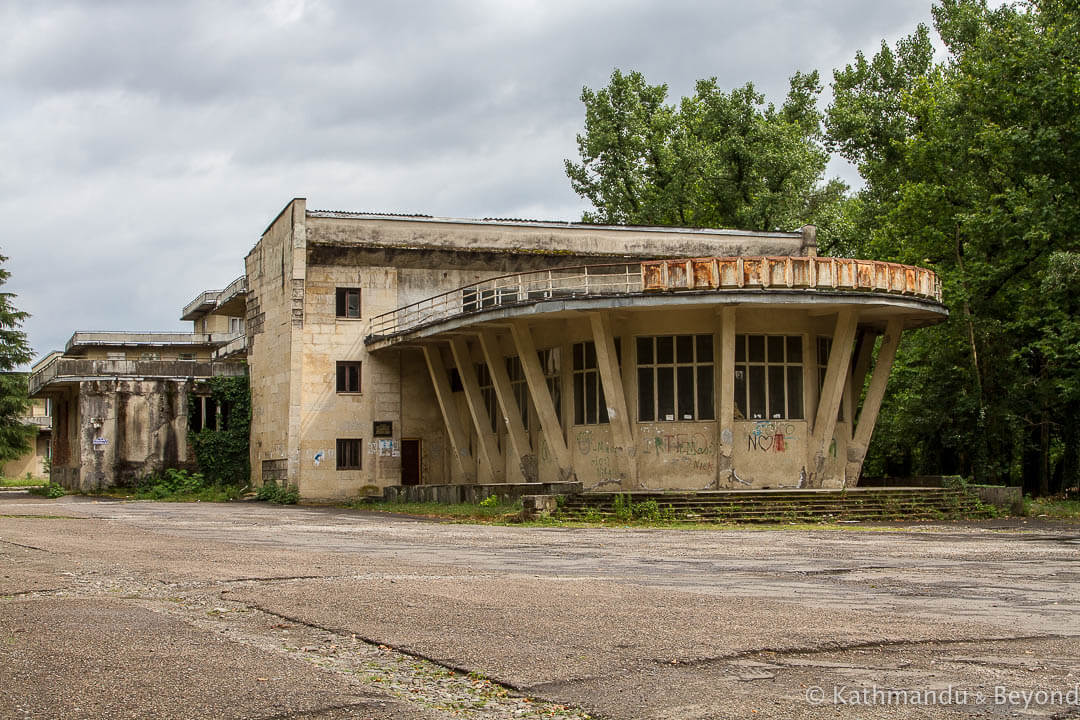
point(208, 297)
point(668, 275)
point(237, 286)
point(519, 288)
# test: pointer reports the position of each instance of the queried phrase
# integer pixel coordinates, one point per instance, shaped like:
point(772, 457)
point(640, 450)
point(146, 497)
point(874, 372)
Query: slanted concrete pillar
point(872, 404)
point(615, 397)
point(486, 440)
point(458, 443)
point(831, 394)
point(508, 406)
point(864, 353)
point(541, 398)
point(725, 468)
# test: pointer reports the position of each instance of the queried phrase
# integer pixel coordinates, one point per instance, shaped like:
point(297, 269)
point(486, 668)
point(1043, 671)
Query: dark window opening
point(348, 377)
point(675, 378)
point(348, 302)
point(590, 406)
point(768, 377)
point(348, 453)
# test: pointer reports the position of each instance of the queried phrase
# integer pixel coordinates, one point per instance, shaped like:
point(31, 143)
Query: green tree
point(14, 352)
point(970, 166)
point(718, 159)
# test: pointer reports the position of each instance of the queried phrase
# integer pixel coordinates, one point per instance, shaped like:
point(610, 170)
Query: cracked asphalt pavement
point(137, 609)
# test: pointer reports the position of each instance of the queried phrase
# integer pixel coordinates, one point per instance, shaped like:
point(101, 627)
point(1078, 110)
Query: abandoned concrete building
point(34, 462)
point(388, 350)
point(120, 400)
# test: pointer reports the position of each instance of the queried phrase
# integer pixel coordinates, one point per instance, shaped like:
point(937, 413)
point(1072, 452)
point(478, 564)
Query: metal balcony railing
point(702, 275)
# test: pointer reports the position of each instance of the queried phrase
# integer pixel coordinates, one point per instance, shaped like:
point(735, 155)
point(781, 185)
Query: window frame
point(342, 385)
point(699, 369)
point(581, 375)
point(341, 303)
point(342, 454)
point(767, 365)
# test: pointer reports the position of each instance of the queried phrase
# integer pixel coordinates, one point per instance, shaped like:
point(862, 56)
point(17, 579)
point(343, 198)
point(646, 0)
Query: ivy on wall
point(221, 446)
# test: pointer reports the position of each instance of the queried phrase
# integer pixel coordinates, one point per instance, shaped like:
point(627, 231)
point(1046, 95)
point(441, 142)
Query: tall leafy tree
point(970, 167)
point(14, 352)
point(717, 159)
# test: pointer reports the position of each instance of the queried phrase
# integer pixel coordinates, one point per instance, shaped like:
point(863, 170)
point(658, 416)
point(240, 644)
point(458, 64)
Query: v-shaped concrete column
point(458, 442)
point(511, 413)
point(486, 439)
point(614, 396)
point(872, 404)
point(836, 375)
point(541, 397)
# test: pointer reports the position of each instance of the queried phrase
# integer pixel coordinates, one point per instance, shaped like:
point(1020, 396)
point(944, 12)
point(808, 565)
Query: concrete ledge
point(1010, 499)
point(452, 494)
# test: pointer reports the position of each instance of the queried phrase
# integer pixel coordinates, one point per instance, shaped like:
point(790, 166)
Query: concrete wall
point(273, 318)
point(32, 461)
point(109, 432)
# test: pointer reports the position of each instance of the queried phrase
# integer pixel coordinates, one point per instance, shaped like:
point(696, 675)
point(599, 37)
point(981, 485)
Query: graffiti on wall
point(692, 452)
point(602, 456)
point(770, 436)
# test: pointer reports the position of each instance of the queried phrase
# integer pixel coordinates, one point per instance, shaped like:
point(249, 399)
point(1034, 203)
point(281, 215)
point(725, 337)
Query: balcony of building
point(67, 371)
point(880, 289)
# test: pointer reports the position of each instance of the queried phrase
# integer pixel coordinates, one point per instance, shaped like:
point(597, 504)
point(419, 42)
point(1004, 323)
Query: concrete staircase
point(779, 506)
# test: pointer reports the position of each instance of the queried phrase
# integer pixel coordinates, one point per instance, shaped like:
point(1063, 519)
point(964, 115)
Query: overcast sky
point(144, 146)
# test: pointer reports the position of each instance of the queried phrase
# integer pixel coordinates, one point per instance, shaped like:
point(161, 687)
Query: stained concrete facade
point(120, 401)
point(34, 462)
point(349, 399)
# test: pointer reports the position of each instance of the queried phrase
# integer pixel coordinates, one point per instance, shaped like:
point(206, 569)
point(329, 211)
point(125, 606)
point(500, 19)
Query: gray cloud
point(148, 144)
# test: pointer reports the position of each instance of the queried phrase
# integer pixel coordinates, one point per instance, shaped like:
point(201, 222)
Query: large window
point(590, 407)
point(519, 387)
point(349, 453)
point(347, 303)
point(675, 378)
point(768, 377)
point(348, 377)
point(551, 366)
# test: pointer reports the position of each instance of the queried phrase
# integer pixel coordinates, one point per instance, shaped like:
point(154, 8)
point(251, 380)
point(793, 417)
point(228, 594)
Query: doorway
point(410, 461)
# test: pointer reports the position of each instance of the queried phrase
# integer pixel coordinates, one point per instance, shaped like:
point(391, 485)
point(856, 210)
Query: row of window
point(674, 379)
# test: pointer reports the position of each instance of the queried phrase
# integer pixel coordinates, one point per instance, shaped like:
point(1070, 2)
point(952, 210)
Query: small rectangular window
point(349, 453)
point(348, 302)
point(348, 377)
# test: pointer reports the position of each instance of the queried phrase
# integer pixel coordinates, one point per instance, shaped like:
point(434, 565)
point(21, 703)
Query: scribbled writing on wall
point(769, 436)
point(686, 452)
point(602, 455)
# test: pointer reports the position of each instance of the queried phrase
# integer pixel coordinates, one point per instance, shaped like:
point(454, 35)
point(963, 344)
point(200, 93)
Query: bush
point(490, 501)
point(280, 494)
point(172, 484)
point(49, 490)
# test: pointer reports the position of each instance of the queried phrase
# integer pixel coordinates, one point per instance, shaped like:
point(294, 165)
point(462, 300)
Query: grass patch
point(176, 486)
point(25, 481)
point(1055, 507)
point(464, 512)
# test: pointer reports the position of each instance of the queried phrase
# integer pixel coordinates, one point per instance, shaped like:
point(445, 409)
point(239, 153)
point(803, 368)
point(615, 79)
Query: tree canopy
point(970, 166)
point(718, 159)
point(14, 352)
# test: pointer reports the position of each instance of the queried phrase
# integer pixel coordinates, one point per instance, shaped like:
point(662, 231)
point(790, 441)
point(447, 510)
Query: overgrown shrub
point(49, 490)
point(280, 494)
point(490, 501)
point(172, 484)
point(222, 452)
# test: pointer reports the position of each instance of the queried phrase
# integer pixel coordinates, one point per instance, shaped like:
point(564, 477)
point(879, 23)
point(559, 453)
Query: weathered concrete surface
point(625, 623)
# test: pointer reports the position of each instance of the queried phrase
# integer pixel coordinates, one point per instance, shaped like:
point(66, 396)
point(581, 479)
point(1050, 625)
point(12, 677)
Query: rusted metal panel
point(752, 271)
point(652, 275)
point(728, 272)
point(705, 274)
point(800, 271)
point(678, 275)
point(864, 275)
